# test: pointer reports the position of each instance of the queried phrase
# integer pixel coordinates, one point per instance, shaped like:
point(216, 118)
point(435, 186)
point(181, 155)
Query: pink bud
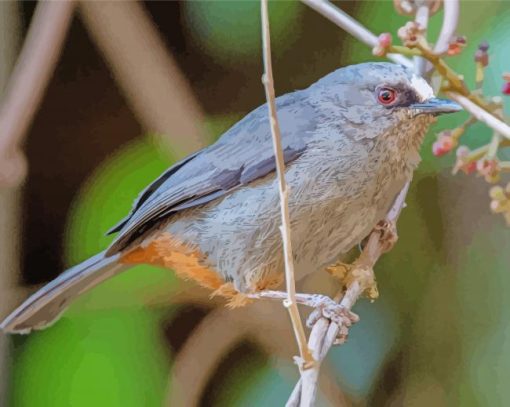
point(461, 39)
point(385, 40)
point(454, 49)
point(378, 51)
point(469, 168)
point(482, 57)
point(488, 168)
point(438, 150)
point(506, 88)
point(448, 143)
point(495, 206)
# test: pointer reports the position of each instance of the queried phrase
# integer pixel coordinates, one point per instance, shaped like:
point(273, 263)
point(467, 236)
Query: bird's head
point(378, 97)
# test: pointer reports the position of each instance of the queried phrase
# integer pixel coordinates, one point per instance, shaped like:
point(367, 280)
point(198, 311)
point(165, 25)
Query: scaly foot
point(324, 307)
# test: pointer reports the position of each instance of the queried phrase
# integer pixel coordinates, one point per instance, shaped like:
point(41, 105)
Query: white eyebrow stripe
point(422, 88)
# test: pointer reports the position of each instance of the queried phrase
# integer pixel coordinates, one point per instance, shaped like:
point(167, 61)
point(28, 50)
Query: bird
point(350, 143)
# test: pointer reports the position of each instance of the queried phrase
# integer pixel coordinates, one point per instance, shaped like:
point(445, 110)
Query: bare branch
point(422, 18)
point(290, 302)
point(28, 82)
point(482, 115)
point(149, 77)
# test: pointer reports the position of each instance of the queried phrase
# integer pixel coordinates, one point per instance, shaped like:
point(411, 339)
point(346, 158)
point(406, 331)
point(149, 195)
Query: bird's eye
point(386, 96)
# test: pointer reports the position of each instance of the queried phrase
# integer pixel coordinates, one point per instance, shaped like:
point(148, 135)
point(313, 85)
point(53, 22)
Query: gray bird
point(351, 141)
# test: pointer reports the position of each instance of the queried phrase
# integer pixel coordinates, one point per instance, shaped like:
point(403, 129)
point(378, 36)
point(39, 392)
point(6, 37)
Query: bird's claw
point(389, 235)
point(334, 312)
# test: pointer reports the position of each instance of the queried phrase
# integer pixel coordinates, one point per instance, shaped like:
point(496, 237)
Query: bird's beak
point(435, 106)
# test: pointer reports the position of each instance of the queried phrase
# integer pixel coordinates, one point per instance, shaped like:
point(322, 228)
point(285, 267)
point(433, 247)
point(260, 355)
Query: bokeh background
point(438, 335)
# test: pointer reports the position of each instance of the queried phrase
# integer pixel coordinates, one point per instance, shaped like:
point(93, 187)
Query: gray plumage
point(347, 156)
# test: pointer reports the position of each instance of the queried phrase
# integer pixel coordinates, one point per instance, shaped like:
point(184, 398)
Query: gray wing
point(243, 154)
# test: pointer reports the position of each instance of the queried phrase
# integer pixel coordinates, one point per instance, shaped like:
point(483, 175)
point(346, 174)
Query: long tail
point(47, 304)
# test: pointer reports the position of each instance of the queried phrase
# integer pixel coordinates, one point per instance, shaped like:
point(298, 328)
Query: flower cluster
point(410, 34)
point(489, 169)
point(500, 201)
point(384, 42)
point(463, 163)
point(446, 141)
point(444, 144)
point(506, 86)
point(481, 54)
point(456, 45)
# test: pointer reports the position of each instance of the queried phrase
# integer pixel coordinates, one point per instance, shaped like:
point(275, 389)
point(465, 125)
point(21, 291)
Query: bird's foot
point(339, 271)
point(324, 307)
point(389, 235)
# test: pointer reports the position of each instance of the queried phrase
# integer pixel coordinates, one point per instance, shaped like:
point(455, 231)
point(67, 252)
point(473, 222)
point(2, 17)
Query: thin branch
point(481, 114)
point(28, 82)
point(349, 24)
point(290, 302)
point(422, 18)
point(154, 87)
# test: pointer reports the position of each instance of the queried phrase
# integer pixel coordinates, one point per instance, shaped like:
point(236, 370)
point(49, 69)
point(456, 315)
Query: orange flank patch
point(165, 251)
point(189, 264)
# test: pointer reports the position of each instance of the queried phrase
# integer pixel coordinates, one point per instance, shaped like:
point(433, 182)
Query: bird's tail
point(48, 303)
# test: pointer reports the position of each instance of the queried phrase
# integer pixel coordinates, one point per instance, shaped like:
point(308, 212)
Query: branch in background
point(149, 77)
point(28, 82)
point(422, 18)
point(213, 339)
point(481, 114)
point(291, 304)
point(349, 24)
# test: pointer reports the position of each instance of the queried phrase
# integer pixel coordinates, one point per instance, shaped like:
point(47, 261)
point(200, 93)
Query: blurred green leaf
point(105, 359)
point(230, 30)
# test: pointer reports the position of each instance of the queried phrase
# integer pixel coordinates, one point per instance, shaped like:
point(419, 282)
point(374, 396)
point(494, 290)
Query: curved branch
point(28, 82)
point(481, 114)
point(149, 77)
point(450, 22)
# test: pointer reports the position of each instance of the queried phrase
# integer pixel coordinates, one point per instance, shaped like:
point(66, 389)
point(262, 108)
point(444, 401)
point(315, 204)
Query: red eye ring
point(386, 96)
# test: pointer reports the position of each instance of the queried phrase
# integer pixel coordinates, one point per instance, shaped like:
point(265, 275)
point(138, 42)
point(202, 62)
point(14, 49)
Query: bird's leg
point(347, 273)
point(322, 304)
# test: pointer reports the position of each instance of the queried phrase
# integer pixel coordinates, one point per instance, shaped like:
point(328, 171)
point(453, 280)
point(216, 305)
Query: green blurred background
point(437, 335)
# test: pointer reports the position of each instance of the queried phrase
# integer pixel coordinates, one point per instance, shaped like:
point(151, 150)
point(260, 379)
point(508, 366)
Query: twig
point(28, 82)
point(153, 84)
point(481, 114)
point(291, 304)
point(422, 18)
